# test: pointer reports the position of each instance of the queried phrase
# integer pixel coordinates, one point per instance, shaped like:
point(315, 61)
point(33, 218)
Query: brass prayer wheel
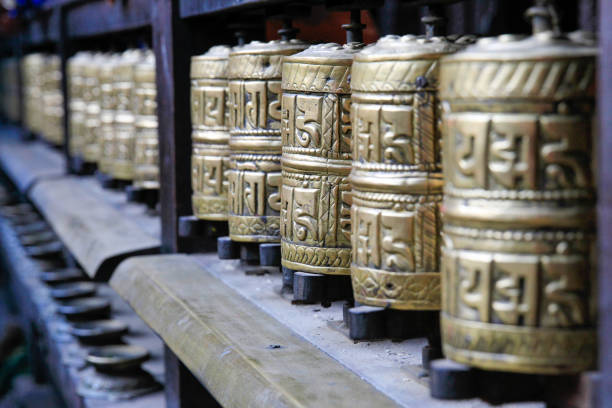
point(76, 80)
point(519, 203)
point(254, 74)
point(32, 68)
point(146, 144)
point(124, 118)
point(316, 159)
point(210, 133)
point(91, 98)
point(107, 112)
point(397, 173)
point(52, 101)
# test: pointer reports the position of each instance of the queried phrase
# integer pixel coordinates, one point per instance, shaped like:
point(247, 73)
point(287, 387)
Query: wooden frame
point(61, 22)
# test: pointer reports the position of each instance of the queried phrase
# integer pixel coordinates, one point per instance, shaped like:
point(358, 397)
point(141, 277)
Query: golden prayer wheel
point(33, 65)
point(254, 74)
point(519, 203)
point(146, 144)
point(76, 80)
point(210, 133)
point(107, 112)
point(52, 101)
point(397, 173)
point(91, 98)
point(124, 118)
point(316, 159)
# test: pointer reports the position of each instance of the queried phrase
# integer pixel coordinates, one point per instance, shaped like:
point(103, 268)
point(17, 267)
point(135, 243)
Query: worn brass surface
point(32, 67)
point(254, 74)
point(210, 133)
point(124, 127)
point(76, 91)
point(316, 159)
point(146, 144)
point(107, 108)
point(518, 267)
point(91, 98)
point(52, 102)
point(396, 173)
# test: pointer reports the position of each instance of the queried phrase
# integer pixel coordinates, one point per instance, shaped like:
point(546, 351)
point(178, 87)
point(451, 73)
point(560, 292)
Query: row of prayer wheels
point(43, 100)
point(113, 114)
point(9, 87)
point(438, 172)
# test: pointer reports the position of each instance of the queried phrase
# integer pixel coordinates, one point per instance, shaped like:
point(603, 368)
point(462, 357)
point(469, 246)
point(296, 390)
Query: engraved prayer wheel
point(107, 112)
point(91, 98)
point(124, 118)
point(32, 66)
point(519, 203)
point(51, 125)
point(210, 133)
point(146, 144)
point(254, 74)
point(397, 173)
point(316, 159)
point(76, 80)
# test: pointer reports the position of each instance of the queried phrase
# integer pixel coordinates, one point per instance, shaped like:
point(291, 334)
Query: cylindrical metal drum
point(107, 112)
point(123, 120)
point(91, 98)
point(32, 66)
point(254, 74)
point(210, 133)
point(519, 204)
point(76, 89)
point(316, 160)
point(146, 144)
point(397, 175)
point(51, 126)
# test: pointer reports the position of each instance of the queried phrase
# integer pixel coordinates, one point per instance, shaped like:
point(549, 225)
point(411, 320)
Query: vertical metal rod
point(354, 29)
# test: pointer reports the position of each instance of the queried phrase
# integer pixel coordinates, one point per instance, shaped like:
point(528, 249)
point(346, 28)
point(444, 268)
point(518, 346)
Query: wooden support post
point(182, 389)
point(604, 215)
point(171, 44)
point(63, 49)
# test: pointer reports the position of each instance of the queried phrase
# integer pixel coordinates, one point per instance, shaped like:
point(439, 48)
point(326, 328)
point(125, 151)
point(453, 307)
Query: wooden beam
point(171, 43)
point(604, 215)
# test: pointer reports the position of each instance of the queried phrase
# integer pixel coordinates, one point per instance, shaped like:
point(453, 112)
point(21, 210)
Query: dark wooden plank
point(98, 234)
point(604, 220)
point(27, 163)
point(191, 8)
point(104, 17)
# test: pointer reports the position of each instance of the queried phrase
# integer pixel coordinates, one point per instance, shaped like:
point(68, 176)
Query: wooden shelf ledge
point(250, 347)
point(25, 163)
point(99, 227)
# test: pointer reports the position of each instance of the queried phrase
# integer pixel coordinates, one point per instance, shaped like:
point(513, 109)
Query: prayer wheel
point(91, 98)
point(107, 112)
point(51, 126)
point(519, 202)
point(146, 144)
point(316, 159)
point(76, 80)
point(254, 177)
point(124, 116)
point(397, 173)
point(210, 133)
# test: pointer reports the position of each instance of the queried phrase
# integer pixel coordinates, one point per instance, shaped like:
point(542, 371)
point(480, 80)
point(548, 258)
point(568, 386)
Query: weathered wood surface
point(104, 17)
point(27, 163)
point(251, 348)
point(98, 228)
point(36, 310)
